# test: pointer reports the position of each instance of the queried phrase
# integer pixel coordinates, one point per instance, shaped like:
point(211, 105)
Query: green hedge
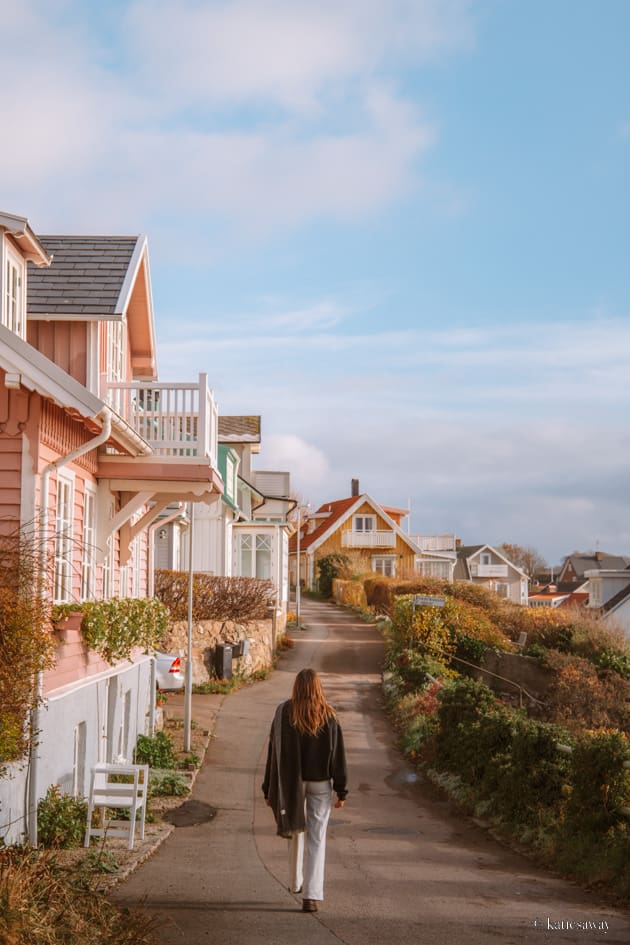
point(565, 806)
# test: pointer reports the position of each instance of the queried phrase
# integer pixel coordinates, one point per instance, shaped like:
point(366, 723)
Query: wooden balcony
point(489, 570)
point(373, 539)
point(177, 420)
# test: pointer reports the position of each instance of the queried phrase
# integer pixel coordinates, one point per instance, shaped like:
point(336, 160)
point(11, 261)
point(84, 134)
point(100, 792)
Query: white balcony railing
point(435, 542)
point(489, 570)
point(175, 419)
point(375, 539)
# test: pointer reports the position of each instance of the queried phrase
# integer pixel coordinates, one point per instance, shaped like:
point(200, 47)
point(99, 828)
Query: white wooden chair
point(108, 790)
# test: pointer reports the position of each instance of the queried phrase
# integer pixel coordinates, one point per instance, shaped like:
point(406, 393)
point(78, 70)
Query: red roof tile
point(337, 509)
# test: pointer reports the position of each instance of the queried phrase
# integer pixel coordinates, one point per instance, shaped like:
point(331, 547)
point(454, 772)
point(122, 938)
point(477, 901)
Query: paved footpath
point(403, 868)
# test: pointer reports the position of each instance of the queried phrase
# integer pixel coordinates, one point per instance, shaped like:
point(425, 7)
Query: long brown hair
point(309, 709)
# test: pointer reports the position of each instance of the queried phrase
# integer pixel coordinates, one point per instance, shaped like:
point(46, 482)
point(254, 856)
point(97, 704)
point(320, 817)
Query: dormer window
point(13, 291)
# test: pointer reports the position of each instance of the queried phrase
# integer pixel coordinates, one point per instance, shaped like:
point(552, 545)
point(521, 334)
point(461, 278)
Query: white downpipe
point(33, 779)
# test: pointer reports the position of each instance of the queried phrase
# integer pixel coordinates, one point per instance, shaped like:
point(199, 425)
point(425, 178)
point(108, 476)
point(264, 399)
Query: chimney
point(598, 556)
point(458, 543)
point(355, 488)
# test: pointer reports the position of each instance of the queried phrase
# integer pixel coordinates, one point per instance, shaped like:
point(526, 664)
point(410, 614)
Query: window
point(485, 558)
point(385, 565)
point(256, 556)
point(13, 302)
point(88, 558)
point(434, 569)
point(62, 579)
point(115, 351)
point(364, 523)
point(502, 590)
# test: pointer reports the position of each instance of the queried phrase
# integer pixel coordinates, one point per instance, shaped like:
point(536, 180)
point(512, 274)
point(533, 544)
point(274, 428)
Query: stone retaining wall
point(206, 635)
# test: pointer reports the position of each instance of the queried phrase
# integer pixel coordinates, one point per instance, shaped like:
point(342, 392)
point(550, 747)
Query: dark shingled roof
point(85, 278)
point(591, 561)
point(239, 429)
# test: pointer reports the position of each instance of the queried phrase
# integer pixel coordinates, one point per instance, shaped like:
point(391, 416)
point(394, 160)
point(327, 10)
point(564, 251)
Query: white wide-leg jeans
point(307, 859)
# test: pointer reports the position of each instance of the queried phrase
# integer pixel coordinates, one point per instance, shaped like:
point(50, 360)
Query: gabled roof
point(618, 599)
point(338, 512)
point(20, 230)
point(239, 429)
point(86, 277)
point(465, 552)
point(595, 560)
point(93, 278)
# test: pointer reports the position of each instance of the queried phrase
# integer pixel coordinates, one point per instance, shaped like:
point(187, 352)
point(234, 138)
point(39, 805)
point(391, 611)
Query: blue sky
point(397, 229)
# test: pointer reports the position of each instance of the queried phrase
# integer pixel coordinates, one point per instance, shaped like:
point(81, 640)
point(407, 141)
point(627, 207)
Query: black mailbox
point(223, 661)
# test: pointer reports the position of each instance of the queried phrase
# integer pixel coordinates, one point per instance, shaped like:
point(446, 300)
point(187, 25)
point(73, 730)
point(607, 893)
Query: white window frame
point(502, 589)
point(13, 302)
point(485, 558)
point(88, 551)
point(116, 351)
point(367, 523)
point(255, 541)
point(387, 564)
point(64, 539)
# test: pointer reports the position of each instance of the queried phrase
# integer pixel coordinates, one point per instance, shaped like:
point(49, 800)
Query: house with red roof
point(369, 534)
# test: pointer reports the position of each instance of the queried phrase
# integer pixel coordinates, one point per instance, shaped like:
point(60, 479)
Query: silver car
point(168, 671)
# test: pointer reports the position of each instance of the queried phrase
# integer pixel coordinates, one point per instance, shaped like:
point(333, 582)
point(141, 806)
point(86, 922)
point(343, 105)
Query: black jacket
point(293, 758)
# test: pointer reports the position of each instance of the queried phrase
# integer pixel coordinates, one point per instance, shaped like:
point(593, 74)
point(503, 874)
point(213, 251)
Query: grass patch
point(44, 902)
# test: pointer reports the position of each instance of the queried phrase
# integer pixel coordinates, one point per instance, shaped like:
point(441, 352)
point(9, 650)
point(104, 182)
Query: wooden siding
point(362, 557)
point(18, 413)
point(64, 343)
point(62, 434)
point(10, 478)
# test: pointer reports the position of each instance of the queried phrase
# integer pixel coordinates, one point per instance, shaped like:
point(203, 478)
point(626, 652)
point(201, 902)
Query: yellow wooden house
point(368, 534)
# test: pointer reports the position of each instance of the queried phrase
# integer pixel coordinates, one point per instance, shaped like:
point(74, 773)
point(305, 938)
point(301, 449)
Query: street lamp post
point(297, 580)
point(298, 588)
point(188, 673)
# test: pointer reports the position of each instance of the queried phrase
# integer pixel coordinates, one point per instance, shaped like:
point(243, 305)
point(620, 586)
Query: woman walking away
point(306, 762)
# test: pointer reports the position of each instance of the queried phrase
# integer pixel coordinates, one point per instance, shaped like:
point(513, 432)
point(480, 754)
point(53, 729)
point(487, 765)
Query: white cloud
point(147, 138)
point(308, 465)
point(289, 52)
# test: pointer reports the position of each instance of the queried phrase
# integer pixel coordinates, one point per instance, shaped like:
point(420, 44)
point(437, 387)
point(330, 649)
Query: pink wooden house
point(92, 448)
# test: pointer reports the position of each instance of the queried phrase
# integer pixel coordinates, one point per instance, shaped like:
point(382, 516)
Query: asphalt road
point(403, 868)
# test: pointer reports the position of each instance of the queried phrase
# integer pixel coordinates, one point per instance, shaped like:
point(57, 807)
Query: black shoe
point(309, 905)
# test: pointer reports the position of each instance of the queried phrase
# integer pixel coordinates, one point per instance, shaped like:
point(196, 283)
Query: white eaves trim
point(346, 515)
point(130, 276)
point(20, 230)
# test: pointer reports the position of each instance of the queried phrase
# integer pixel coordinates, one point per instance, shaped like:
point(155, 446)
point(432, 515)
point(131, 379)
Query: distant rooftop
point(239, 429)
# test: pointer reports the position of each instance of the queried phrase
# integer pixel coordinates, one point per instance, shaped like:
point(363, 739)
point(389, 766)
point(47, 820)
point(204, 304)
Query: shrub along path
point(403, 866)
